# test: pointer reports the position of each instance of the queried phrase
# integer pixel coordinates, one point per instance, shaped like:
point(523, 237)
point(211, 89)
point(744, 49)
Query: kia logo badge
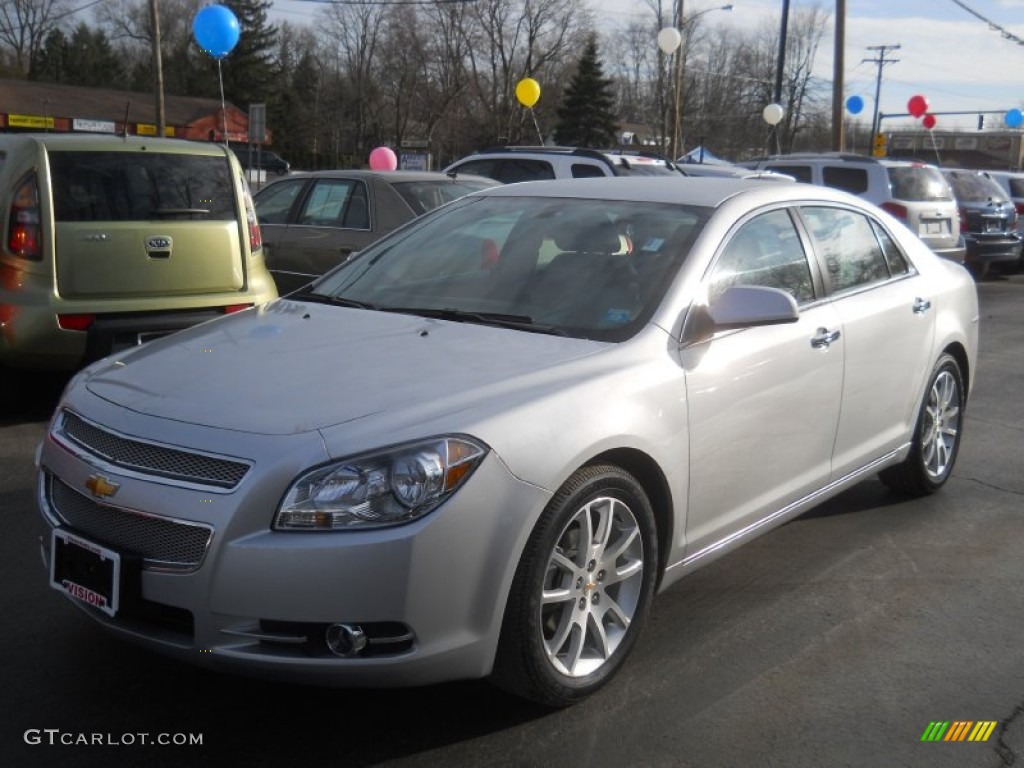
point(158, 243)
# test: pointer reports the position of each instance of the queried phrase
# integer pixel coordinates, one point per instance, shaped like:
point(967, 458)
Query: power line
point(1007, 34)
point(881, 61)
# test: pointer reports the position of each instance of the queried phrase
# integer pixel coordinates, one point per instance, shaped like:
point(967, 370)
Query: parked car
point(257, 158)
point(915, 193)
point(514, 164)
point(314, 221)
point(430, 465)
point(1013, 185)
point(110, 241)
point(988, 220)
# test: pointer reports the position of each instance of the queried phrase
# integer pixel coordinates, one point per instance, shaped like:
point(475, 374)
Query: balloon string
point(223, 107)
point(537, 126)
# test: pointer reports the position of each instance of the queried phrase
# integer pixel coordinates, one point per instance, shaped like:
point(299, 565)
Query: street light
point(670, 40)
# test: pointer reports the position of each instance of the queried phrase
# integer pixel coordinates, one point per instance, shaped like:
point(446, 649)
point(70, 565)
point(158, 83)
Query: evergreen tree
point(87, 58)
point(587, 117)
point(249, 70)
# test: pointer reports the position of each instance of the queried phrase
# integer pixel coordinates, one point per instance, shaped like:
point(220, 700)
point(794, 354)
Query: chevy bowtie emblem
point(100, 487)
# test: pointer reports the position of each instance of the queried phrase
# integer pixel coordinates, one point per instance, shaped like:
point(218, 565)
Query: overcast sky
point(947, 55)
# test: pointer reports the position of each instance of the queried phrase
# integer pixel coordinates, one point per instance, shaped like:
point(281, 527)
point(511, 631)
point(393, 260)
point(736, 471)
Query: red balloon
point(929, 121)
point(917, 105)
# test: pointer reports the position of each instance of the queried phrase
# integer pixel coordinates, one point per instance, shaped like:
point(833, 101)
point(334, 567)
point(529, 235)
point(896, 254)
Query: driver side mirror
point(740, 306)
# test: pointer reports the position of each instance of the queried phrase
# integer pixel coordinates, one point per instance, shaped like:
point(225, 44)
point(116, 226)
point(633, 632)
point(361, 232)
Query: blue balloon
point(216, 30)
point(1014, 118)
point(854, 105)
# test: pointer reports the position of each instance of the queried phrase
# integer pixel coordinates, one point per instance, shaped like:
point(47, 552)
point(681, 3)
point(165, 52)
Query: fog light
point(345, 640)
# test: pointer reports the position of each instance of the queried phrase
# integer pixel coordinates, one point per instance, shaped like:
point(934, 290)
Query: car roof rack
point(582, 151)
point(843, 156)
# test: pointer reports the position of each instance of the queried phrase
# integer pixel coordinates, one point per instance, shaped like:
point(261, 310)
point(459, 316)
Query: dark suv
point(512, 164)
point(988, 220)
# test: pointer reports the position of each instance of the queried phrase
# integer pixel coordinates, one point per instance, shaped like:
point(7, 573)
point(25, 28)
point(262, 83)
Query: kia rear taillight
point(897, 210)
point(232, 308)
point(1020, 208)
point(24, 234)
point(255, 236)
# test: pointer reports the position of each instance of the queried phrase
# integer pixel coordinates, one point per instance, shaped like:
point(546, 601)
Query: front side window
point(801, 173)
point(141, 186)
point(587, 268)
point(274, 202)
point(765, 251)
point(847, 245)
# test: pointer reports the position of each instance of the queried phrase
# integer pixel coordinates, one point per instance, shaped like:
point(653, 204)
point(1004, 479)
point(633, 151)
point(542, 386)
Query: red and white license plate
point(88, 572)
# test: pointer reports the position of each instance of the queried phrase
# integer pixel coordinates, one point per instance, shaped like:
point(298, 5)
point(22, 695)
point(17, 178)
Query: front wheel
point(582, 590)
point(936, 436)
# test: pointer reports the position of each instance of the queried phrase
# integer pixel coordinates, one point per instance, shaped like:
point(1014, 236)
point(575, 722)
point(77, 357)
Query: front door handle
point(824, 338)
point(921, 306)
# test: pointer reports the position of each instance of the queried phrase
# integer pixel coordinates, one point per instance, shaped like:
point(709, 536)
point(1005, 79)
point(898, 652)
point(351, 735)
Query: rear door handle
point(921, 306)
point(824, 338)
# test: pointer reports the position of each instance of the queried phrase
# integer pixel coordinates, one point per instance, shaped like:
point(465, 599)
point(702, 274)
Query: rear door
point(139, 224)
point(888, 324)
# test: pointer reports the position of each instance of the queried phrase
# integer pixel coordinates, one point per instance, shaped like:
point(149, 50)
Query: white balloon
point(773, 114)
point(669, 39)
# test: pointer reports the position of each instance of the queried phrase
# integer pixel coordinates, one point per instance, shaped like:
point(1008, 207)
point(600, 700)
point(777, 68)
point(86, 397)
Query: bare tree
point(24, 25)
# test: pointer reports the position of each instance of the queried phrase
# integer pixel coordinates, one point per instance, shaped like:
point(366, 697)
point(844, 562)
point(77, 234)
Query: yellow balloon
point(528, 91)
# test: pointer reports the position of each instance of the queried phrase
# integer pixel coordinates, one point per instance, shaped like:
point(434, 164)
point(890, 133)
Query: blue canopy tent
point(702, 155)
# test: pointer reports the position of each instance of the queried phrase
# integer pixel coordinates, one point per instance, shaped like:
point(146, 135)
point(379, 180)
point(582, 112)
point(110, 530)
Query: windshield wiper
point(180, 211)
point(337, 301)
point(502, 320)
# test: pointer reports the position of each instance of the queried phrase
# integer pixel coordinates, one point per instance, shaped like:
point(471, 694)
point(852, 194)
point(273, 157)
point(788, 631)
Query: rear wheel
point(936, 436)
point(582, 590)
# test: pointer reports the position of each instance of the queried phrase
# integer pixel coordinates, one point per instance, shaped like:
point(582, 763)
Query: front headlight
point(377, 490)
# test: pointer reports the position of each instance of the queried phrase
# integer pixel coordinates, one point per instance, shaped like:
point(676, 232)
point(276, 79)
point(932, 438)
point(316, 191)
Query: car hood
point(292, 367)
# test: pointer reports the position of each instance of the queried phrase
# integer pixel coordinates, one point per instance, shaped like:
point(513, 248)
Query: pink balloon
point(383, 159)
point(928, 121)
point(917, 105)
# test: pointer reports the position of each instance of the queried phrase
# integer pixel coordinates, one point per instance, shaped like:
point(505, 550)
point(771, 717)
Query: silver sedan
point(482, 446)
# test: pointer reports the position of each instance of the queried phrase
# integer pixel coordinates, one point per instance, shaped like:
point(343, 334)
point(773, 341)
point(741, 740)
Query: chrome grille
point(158, 540)
point(150, 458)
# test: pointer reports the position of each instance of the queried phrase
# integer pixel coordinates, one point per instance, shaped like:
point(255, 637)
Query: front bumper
point(430, 595)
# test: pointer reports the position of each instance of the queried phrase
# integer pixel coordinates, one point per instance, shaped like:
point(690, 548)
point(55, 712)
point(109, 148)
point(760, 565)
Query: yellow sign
point(148, 129)
point(880, 145)
point(29, 121)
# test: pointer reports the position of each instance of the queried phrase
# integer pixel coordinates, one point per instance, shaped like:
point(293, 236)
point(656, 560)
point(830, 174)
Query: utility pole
point(838, 63)
point(881, 61)
point(158, 69)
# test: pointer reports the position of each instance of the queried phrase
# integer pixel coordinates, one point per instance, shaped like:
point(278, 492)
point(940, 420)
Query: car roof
point(706, 191)
point(389, 176)
point(94, 142)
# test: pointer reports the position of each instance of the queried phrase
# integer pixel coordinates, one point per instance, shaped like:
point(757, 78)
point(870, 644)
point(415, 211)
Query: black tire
point(559, 651)
point(936, 435)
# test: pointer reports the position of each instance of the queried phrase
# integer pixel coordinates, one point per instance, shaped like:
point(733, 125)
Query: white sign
point(93, 126)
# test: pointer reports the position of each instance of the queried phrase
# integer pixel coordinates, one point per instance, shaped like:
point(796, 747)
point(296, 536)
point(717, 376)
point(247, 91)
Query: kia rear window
point(140, 186)
point(973, 187)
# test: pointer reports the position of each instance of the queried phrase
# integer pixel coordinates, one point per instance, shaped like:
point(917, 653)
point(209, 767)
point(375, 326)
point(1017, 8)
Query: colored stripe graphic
point(935, 731)
point(982, 730)
point(959, 730)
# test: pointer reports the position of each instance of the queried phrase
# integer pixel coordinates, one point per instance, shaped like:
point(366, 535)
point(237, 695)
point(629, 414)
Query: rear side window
point(853, 180)
point(522, 169)
point(1016, 185)
point(848, 245)
point(586, 171)
point(336, 203)
point(141, 186)
point(919, 184)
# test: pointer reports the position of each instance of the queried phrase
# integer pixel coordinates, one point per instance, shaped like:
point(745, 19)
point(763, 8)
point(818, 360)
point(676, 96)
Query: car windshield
point(585, 268)
point(423, 196)
point(918, 183)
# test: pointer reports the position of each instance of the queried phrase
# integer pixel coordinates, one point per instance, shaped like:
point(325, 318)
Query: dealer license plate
point(86, 571)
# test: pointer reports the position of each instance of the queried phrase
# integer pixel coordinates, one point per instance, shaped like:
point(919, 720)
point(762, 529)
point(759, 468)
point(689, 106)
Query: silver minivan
point(916, 193)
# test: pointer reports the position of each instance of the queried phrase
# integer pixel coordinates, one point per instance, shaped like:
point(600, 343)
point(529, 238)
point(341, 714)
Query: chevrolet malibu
point(482, 446)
